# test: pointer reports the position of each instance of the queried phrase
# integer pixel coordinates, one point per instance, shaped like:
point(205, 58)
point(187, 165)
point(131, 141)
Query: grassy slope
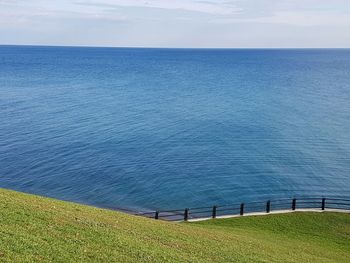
point(40, 229)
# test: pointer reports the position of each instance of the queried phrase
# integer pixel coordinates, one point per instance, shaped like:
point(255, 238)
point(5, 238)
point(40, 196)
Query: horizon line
point(155, 47)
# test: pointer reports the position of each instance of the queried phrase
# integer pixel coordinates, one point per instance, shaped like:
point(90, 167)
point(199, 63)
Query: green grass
point(37, 229)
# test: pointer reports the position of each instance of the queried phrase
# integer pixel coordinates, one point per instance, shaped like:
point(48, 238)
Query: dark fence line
point(322, 203)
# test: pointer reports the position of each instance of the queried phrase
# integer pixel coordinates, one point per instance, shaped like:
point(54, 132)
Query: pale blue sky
point(177, 23)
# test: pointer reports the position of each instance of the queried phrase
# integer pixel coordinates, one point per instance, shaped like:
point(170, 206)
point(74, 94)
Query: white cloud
point(301, 19)
point(307, 19)
point(222, 7)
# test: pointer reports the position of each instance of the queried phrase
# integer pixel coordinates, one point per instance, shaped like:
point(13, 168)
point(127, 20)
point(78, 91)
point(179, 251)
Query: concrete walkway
point(272, 213)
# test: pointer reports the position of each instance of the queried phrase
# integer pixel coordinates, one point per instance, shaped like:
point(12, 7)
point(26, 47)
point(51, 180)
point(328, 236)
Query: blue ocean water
point(173, 128)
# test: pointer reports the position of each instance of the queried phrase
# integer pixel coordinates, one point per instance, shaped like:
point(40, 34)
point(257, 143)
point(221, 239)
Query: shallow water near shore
point(171, 128)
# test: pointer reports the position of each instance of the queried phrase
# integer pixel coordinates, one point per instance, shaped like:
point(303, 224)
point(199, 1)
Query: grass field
point(37, 229)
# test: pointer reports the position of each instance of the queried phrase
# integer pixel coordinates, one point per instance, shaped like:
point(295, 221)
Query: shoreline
point(35, 228)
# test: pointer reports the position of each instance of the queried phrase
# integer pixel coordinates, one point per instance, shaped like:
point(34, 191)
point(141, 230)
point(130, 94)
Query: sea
point(147, 128)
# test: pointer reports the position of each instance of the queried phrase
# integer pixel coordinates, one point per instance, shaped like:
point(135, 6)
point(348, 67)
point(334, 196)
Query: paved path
point(272, 213)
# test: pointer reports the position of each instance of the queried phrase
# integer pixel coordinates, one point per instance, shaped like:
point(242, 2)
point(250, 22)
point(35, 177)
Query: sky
point(177, 23)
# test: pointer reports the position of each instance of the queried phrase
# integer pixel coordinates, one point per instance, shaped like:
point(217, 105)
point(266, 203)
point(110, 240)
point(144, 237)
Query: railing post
point(186, 214)
point(241, 210)
point(294, 204)
point(268, 206)
point(156, 216)
point(214, 211)
point(323, 203)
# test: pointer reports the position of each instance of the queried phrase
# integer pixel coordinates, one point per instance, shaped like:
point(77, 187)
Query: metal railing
point(320, 203)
